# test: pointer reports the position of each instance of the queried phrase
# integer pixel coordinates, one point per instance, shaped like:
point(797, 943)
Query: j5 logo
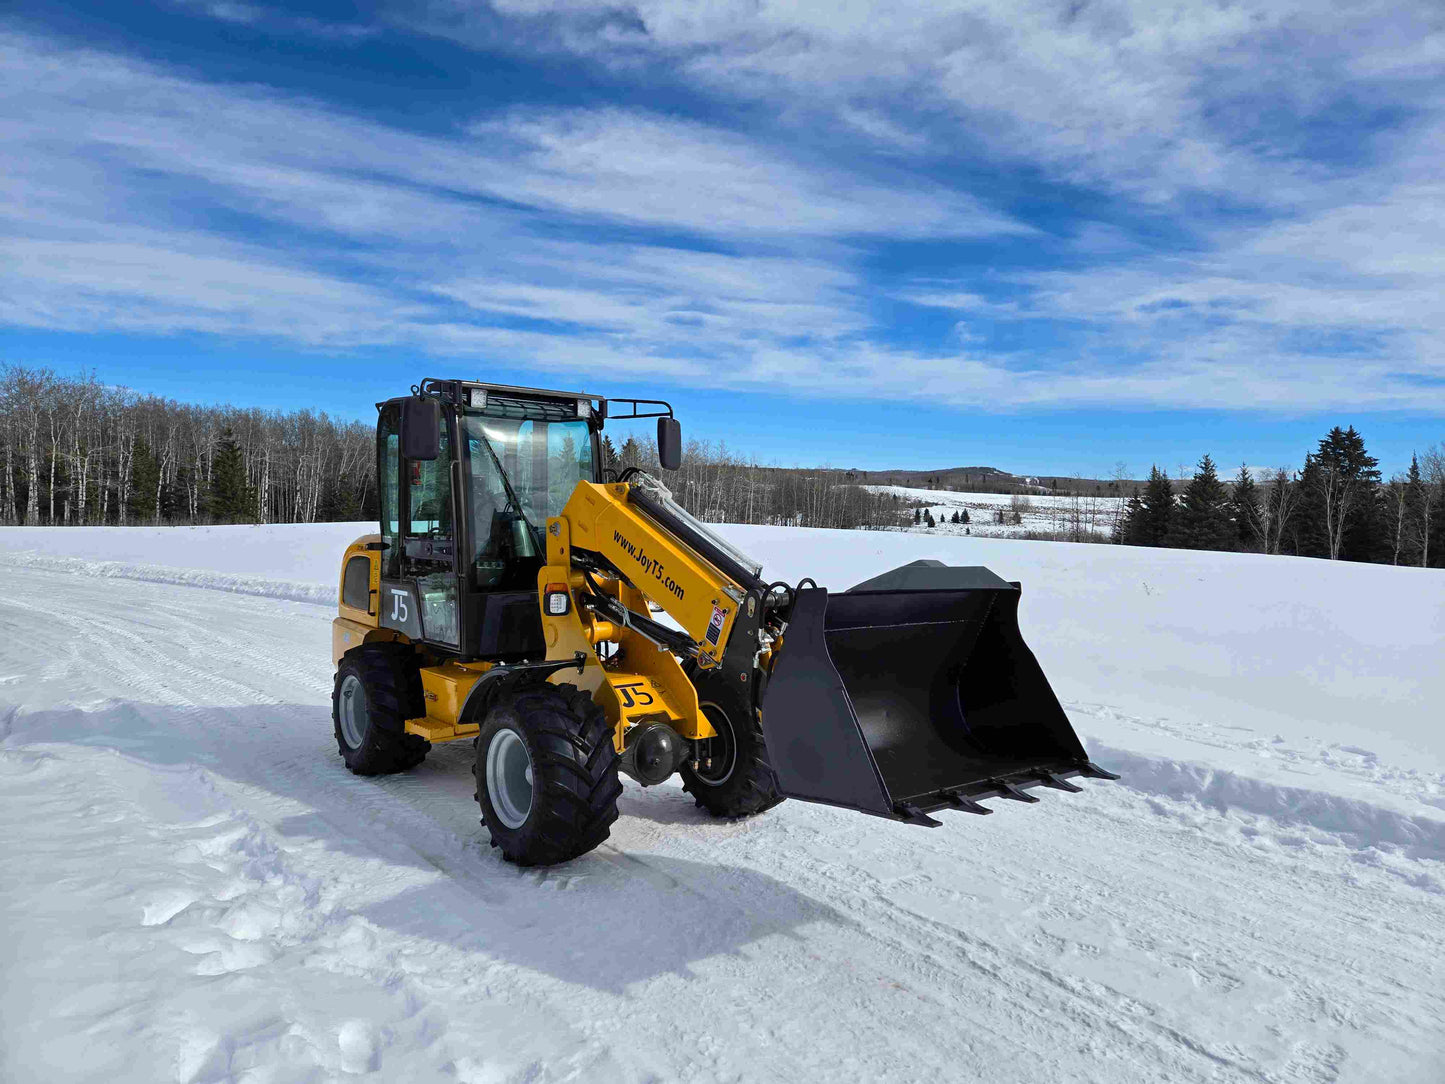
point(634, 695)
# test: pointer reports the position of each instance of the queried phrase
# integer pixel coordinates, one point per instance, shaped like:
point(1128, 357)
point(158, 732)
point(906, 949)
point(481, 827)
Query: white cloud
point(666, 296)
point(124, 177)
point(86, 286)
point(127, 186)
point(1146, 97)
point(261, 151)
point(662, 171)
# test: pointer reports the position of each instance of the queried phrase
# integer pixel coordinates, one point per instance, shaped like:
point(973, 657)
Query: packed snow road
point(196, 890)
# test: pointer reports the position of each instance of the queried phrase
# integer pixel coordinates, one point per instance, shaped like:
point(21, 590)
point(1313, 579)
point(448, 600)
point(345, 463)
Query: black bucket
point(915, 692)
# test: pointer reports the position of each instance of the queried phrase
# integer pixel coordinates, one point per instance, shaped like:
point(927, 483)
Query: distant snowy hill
point(203, 893)
point(992, 515)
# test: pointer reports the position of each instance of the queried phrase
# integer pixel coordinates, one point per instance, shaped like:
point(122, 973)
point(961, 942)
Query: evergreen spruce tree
point(145, 476)
point(370, 508)
point(1347, 483)
point(337, 503)
point(917, 517)
point(1126, 530)
point(231, 499)
point(631, 454)
point(1368, 536)
point(174, 503)
point(609, 454)
point(1418, 514)
point(1244, 510)
point(1152, 514)
point(963, 516)
point(1202, 521)
point(1307, 529)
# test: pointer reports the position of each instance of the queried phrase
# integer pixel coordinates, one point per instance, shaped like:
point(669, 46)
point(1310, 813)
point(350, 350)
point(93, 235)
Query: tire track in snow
point(1310, 969)
point(868, 971)
point(894, 945)
point(374, 801)
point(181, 682)
point(379, 812)
point(191, 686)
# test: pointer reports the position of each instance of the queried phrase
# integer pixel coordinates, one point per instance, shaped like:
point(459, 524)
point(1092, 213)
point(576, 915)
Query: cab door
point(419, 583)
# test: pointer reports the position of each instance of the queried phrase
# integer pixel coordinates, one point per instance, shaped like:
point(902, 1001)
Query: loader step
point(436, 730)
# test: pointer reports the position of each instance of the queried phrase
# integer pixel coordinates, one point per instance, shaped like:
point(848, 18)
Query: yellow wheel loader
point(509, 599)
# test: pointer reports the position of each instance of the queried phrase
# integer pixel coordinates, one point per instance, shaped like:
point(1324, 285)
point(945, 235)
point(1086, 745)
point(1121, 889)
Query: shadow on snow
point(606, 920)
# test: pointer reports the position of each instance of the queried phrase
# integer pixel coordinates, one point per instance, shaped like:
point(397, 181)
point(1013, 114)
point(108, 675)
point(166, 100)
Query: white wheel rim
point(724, 727)
point(354, 716)
point(509, 778)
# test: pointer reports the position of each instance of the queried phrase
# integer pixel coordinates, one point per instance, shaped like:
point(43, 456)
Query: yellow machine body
point(693, 593)
point(356, 625)
point(637, 682)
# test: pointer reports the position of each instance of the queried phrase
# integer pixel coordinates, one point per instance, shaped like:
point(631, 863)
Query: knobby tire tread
point(753, 786)
point(391, 681)
point(575, 771)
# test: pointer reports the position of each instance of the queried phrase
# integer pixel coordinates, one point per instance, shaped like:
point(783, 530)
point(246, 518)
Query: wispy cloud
point(134, 185)
point(1149, 98)
point(87, 286)
point(1109, 204)
point(664, 172)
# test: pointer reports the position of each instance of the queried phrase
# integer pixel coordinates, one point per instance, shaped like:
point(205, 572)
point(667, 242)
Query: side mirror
point(669, 443)
point(421, 423)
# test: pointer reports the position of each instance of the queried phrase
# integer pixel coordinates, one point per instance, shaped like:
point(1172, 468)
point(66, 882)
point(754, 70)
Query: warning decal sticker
point(714, 627)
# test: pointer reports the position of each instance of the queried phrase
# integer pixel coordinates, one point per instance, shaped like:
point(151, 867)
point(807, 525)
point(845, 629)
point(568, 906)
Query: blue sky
point(1049, 236)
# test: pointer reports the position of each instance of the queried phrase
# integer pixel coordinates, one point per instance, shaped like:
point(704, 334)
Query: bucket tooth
point(913, 815)
point(1093, 771)
point(1053, 782)
point(1008, 790)
point(958, 801)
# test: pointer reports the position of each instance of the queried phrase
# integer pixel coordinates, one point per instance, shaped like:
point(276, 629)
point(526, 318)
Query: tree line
point(1337, 506)
point(74, 450)
point(718, 486)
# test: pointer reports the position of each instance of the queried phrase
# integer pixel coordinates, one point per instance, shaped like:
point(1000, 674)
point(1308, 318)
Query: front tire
point(739, 781)
point(546, 775)
point(378, 688)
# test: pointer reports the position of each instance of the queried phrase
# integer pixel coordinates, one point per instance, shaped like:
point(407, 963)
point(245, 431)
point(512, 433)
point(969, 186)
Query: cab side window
point(429, 516)
point(356, 585)
point(431, 492)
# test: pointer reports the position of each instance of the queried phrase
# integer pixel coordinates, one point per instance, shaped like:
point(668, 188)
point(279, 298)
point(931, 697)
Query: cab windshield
point(542, 462)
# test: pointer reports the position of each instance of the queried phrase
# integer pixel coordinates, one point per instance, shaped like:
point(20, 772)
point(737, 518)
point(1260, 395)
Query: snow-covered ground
point(1063, 517)
point(196, 890)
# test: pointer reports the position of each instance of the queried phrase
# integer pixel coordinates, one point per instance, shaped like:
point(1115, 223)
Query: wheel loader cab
point(463, 531)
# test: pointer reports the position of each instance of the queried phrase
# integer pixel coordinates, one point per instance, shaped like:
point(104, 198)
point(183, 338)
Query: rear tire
point(546, 775)
point(378, 688)
point(740, 780)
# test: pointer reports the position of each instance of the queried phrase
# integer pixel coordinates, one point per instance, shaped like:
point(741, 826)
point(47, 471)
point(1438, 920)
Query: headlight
point(556, 600)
